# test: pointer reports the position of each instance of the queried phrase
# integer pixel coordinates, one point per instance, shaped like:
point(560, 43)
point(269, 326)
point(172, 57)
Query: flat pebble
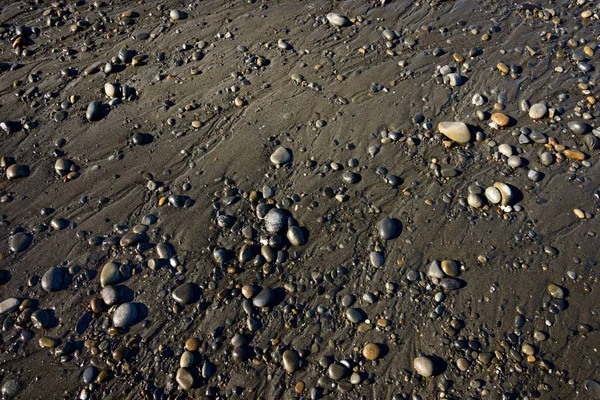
point(186, 293)
point(456, 131)
point(9, 305)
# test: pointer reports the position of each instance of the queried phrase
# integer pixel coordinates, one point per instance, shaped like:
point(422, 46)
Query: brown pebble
point(192, 344)
point(97, 305)
point(371, 351)
point(500, 119)
point(575, 154)
point(300, 387)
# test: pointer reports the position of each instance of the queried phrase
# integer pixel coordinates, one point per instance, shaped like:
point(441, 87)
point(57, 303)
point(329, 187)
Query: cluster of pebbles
point(182, 218)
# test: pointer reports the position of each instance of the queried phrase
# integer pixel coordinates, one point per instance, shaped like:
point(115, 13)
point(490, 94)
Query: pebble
point(451, 268)
point(296, 236)
point(10, 388)
point(493, 195)
point(52, 280)
point(184, 378)
point(376, 259)
point(538, 111)
point(474, 200)
point(456, 131)
point(424, 366)
point(371, 351)
point(90, 374)
point(187, 359)
point(281, 156)
point(434, 270)
point(110, 274)
point(48, 343)
point(355, 315)
point(264, 297)
point(110, 295)
point(94, 111)
point(275, 220)
point(337, 371)
point(186, 293)
point(506, 193)
point(17, 171)
point(291, 361)
point(450, 283)
point(501, 119)
point(176, 15)
point(577, 127)
point(389, 228)
point(337, 19)
point(535, 176)
point(125, 315)
point(9, 305)
point(20, 242)
point(556, 291)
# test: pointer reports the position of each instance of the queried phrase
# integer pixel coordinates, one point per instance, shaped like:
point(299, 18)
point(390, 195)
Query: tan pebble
point(588, 50)
point(500, 119)
point(300, 387)
point(580, 214)
point(586, 14)
point(239, 102)
point(48, 343)
point(503, 68)
point(458, 58)
point(371, 351)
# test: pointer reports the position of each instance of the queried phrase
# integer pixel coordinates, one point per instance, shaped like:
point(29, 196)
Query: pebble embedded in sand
point(281, 156)
point(456, 131)
point(500, 119)
point(424, 366)
point(538, 111)
point(337, 19)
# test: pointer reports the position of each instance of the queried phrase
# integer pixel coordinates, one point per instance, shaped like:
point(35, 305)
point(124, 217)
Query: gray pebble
point(186, 293)
point(9, 305)
point(281, 156)
point(52, 280)
point(389, 228)
point(19, 242)
point(355, 315)
point(275, 220)
point(264, 297)
point(124, 315)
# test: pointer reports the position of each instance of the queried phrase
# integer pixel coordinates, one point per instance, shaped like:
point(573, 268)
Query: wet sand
point(358, 108)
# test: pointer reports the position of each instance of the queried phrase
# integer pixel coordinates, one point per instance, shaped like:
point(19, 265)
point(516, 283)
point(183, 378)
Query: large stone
point(455, 131)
